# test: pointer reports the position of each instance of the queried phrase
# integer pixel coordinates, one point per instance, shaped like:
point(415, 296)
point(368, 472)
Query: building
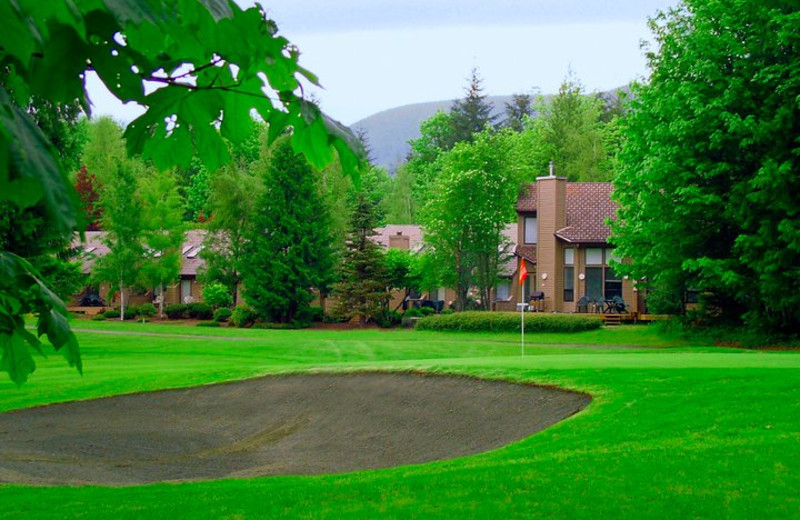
point(563, 241)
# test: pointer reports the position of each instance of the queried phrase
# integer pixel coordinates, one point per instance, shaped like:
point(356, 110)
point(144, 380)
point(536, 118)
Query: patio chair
point(583, 304)
point(618, 304)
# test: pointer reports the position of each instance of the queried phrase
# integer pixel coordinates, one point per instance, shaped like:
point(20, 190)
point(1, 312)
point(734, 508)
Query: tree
point(88, 187)
point(472, 114)
point(162, 230)
point(571, 127)
point(402, 271)
point(400, 207)
point(288, 243)
point(518, 111)
point(709, 189)
point(194, 53)
point(464, 220)
point(122, 223)
point(362, 289)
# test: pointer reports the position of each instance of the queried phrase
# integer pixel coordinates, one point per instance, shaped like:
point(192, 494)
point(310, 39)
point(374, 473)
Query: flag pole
point(523, 273)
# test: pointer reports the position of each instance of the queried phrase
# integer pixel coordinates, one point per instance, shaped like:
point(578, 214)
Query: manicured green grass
point(674, 431)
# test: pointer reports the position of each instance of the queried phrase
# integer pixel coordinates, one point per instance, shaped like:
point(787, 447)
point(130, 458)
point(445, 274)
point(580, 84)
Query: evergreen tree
point(472, 114)
point(288, 243)
point(362, 289)
point(518, 111)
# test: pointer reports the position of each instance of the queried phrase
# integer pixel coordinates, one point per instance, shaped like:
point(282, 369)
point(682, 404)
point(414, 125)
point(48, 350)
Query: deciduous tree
point(709, 191)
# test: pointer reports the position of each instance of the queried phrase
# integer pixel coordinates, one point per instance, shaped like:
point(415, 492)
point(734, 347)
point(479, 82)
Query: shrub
point(483, 321)
point(427, 311)
point(99, 317)
point(200, 311)
point(448, 310)
point(316, 313)
point(413, 312)
point(175, 311)
point(222, 314)
point(147, 309)
point(389, 319)
point(131, 311)
point(243, 316)
point(111, 314)
point(217, 295)
point(208, 324)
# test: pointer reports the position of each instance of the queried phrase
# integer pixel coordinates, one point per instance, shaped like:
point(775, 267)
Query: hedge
point(477, 321)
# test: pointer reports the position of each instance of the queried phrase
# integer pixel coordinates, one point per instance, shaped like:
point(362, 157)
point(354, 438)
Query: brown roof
point(414, 233)
point(93, 248)
point(589, 204)
point(527, 198)
point(526, 252)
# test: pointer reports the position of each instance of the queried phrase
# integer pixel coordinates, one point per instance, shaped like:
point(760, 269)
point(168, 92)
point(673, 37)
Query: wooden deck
point(89, 311)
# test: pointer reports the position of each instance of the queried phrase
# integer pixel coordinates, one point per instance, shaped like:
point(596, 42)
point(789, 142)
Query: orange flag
point(523, 273)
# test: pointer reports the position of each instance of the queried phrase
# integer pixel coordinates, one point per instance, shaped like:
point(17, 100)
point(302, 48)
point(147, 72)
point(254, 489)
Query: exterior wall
point(552, 216)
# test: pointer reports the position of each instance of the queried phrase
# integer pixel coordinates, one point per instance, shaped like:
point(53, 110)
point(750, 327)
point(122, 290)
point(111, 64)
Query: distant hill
point(388, 132)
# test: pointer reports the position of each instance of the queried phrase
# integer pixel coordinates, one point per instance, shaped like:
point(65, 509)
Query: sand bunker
point(282, 425)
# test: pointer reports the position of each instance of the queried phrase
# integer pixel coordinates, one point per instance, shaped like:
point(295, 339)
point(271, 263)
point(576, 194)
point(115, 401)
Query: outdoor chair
point(618, 304)
point(583, 304)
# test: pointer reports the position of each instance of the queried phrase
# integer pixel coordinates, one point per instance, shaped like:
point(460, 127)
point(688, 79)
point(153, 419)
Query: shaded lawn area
point(675, 431)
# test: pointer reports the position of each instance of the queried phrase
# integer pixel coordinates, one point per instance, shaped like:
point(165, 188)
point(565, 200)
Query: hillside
point(389, 131)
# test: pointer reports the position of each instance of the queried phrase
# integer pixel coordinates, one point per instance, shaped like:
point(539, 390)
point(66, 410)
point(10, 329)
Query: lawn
point(675, 430)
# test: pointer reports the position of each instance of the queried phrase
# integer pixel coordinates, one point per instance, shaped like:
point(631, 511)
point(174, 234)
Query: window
point(186, 290)
point(594, 256)
point(613, 285)
point(569, 275)
point(441, 294)
point(594, 283)
point(503, 290)
point(531, 230)
point(569, 283)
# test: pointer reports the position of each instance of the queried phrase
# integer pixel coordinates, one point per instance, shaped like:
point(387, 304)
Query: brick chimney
point(399, 241)
point(552, 216)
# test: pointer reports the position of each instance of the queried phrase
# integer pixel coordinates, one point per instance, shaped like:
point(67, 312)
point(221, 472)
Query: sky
point(371, 55)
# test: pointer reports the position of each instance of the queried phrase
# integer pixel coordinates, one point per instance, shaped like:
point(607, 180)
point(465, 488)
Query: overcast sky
point(372, 56)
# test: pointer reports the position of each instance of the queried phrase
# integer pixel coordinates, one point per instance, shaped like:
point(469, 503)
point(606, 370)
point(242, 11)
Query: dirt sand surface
point(281, 425)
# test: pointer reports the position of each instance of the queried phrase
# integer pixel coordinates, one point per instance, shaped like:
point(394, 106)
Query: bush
point(448, 310)
point(484, 321)
point(389, 319)
point(413, 312)
point(176, 311)
point(243, 316)
point(316, 313)
point(200, 311)
point(111, 314)
point(131, 311)
point(427, 311)
point(208, 324)
point(147, 309)
point(217, 295)
point(99, 317)
point(222, 314)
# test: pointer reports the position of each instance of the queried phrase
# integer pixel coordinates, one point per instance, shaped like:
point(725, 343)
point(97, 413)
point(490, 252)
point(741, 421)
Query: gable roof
point(589, 204)
point(413, 232)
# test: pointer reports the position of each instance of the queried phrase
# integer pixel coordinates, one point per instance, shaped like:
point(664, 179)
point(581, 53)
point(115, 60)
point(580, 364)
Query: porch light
point(581, 276)
point(544, 276)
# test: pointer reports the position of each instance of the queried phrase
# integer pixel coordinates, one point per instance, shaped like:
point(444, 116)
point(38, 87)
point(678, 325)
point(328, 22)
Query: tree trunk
point(121, 302)
point(161, 300)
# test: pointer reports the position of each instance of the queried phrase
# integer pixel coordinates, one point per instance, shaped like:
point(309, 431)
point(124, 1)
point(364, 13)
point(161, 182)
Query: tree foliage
point(214, 62)
point(361, 291)
point(464, 220)
point(709, 192)
point(288, 242)
point(470, 115)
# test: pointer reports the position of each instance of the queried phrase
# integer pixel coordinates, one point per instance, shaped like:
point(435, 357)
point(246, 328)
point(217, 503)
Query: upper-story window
point(531, 230)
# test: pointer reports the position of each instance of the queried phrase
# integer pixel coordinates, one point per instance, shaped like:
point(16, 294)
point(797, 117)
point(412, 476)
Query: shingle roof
point(526, 252)
point(93, 248)
point(589, 204)
point(527, 198)
point(414, 233)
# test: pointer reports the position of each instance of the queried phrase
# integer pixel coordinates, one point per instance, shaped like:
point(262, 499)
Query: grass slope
point(676, 431)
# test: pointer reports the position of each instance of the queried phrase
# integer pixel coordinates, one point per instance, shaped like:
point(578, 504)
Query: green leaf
point(16, 359)
point(32, 156)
